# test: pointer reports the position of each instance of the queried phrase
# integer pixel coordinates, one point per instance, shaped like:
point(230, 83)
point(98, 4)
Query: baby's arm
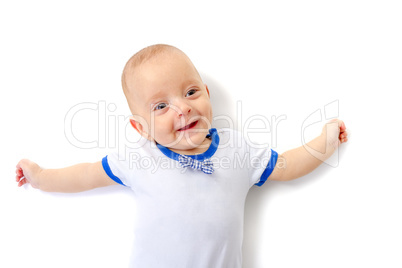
point(304, 159)
point(77, 178)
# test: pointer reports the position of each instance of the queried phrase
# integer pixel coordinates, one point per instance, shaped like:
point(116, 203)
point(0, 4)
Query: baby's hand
point(27, 172)
point(335, 132)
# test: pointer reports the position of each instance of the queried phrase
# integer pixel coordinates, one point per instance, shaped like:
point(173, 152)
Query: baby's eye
point(191, 92)
point(160, 106)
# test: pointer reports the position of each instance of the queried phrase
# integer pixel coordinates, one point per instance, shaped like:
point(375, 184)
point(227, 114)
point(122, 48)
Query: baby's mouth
point(189, 126)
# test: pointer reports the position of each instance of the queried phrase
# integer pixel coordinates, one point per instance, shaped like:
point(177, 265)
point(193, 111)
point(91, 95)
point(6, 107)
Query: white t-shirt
point(185, 217)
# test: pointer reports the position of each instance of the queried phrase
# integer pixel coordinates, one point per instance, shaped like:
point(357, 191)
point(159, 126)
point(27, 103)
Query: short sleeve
point(115, 168)
point(262, 163)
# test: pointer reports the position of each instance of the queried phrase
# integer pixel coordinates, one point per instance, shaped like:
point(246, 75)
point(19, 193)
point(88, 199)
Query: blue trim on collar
point(213, 133)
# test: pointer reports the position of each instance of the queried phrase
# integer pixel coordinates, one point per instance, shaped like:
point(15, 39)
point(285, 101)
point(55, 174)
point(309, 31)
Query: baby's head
point(169, 102)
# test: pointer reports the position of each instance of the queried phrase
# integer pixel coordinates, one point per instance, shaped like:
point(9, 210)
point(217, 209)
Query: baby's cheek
point(164, 135)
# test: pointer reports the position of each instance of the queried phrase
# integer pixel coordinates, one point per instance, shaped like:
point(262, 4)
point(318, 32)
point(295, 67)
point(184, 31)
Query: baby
point(190, 208)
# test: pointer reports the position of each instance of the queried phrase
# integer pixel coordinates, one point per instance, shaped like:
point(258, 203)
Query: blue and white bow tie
point(205, 166)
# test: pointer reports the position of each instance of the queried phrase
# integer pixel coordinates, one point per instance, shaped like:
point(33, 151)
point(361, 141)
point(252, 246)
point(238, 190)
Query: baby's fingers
point(19, 177)
point(342, 126)
point(19, 172)
point(22, 182)
point(343, 136)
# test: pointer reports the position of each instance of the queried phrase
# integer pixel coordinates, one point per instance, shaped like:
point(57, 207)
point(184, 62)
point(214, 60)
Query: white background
point(279, 58)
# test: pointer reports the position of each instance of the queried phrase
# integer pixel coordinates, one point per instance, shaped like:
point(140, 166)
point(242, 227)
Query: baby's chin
point(190, 145)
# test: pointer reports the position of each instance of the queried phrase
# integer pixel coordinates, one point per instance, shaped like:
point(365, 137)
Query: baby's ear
point(206, 87)
point(136, 125)
point(140, 125)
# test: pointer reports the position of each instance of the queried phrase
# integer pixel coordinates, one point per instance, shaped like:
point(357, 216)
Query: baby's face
point(172, 102)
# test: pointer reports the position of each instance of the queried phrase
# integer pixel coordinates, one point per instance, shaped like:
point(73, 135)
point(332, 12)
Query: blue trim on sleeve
point(109, 172)
point(268, 170)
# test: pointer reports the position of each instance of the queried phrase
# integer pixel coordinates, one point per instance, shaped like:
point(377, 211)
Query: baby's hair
point(142, 56)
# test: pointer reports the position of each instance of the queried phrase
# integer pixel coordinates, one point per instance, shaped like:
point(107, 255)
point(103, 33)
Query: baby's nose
point(183, 109)
point(186, 111)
